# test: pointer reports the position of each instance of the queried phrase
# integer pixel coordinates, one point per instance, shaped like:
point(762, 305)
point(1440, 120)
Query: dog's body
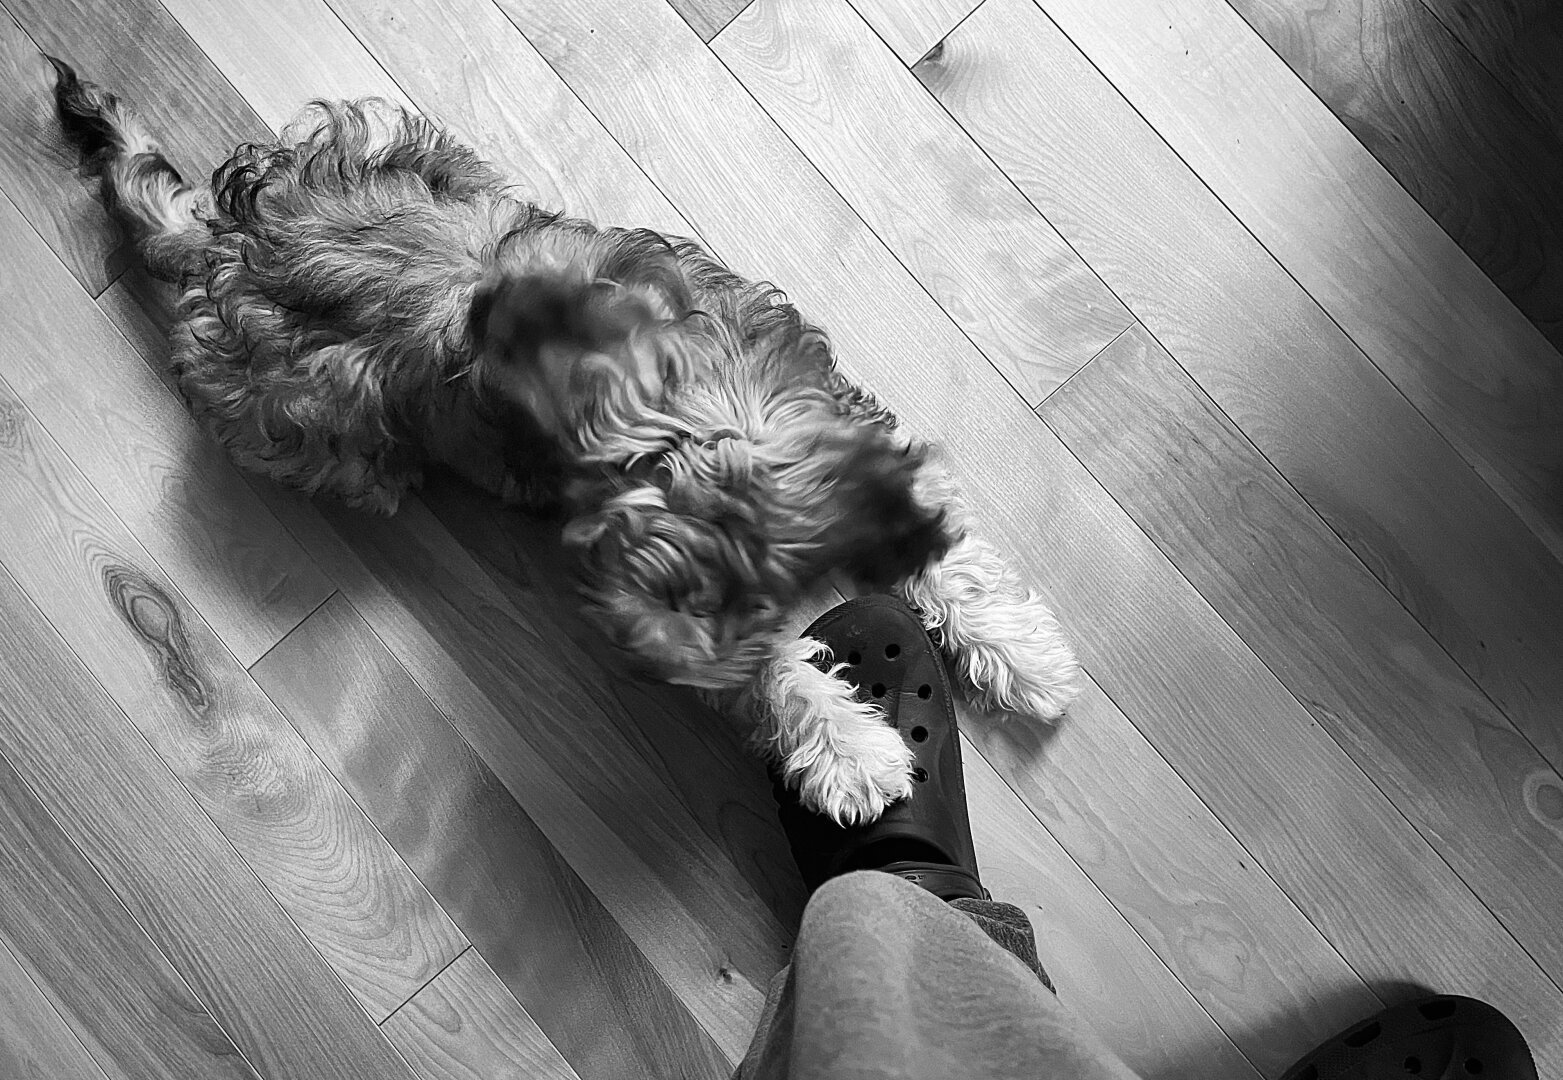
point(366, 297)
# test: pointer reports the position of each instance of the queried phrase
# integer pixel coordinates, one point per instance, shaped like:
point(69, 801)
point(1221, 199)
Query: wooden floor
point(1235, 319)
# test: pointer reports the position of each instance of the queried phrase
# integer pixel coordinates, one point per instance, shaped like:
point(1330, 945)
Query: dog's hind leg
point(840, 753)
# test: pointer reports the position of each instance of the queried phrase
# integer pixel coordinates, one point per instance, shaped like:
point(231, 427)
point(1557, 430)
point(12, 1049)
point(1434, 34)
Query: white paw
point(1035, 676)
point(856, 775)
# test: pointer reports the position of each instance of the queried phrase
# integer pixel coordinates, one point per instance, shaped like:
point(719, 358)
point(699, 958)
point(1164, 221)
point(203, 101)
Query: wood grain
point(1103, 971)
point(1476, 160)
point(617, 822)
point(171, 486)
point(707, 17)
point(70, 931)
point(39, 171)
point(569, 964)
point(463, 61)
point(980, 249)
point(35, 1041)
point(138, 50)
point(1291, 796)
point(1448, 759)
point(466, 1026)
point(283, 54)
point(1519, 43)
point(668, 730)
point(270, 796)
point(1269, 357)
point(912, 27)
point(1284, 789)
point(1178, 876)
point(1421, 310)
point(142, 310)
point(177, 876)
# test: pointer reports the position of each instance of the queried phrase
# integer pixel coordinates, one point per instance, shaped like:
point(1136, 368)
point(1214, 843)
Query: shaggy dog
point(365, 297)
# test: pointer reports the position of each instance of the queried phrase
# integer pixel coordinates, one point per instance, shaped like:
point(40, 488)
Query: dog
point(366, 297)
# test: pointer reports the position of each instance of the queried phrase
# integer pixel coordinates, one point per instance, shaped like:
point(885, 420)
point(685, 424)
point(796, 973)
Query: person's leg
point(904, 967)
point(887, 980)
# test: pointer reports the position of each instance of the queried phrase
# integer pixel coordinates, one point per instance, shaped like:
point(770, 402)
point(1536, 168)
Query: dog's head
point(701, 524)
point(565, 337)
point(718, 475)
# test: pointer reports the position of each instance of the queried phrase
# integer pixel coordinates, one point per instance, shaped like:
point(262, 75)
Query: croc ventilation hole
point(878, 689)
point(1437, 1010)
point(1412, 1065)
point(925, 691)
point(1473, 1065)
point(921, 774)
point(854, 658)
point(1364, 1036)
point(919, 733)
point(892, 651)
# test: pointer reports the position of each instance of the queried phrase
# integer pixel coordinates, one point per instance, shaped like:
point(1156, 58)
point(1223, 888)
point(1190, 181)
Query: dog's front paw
point(854, 776)
point(1032, 673)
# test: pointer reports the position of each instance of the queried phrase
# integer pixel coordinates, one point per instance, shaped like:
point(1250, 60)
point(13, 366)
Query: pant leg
point(887, 981)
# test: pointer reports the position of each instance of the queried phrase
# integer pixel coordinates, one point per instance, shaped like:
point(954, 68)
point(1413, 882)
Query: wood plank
point(139, 51)
point(38, 169)
point(317, 853)
point(1519, 44)
point(669, 880)
point(964, 231)
point(1446, 756)
point(1340, 223)
point(1179, 877)
point(284, 54)
point(35, 1041)
point(707, 17)
point(912, 27)
point(702, 755)
point(176, 875)
point(466, 1026)
point(794, 63)
point(1475, 159)
point(171, 486)
point(1285, 790)
point(72, 934)
point(463, 61)
point(1295, 384)
point(569, 964)
point(142, 310)
point(1103, 971)
point(1379, 895)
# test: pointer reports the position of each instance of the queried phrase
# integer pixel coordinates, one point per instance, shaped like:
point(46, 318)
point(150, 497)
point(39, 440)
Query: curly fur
point(838, 751)
point(366, 297)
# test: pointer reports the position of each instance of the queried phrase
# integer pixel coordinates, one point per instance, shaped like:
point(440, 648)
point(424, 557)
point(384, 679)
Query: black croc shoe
point(1437, 1038)
point(925, 839)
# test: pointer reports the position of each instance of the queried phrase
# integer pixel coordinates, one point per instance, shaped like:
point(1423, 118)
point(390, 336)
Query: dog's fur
point(366, 297)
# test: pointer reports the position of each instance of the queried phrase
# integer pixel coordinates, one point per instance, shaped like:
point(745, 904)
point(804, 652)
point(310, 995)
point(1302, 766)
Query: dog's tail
point(140, 188)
